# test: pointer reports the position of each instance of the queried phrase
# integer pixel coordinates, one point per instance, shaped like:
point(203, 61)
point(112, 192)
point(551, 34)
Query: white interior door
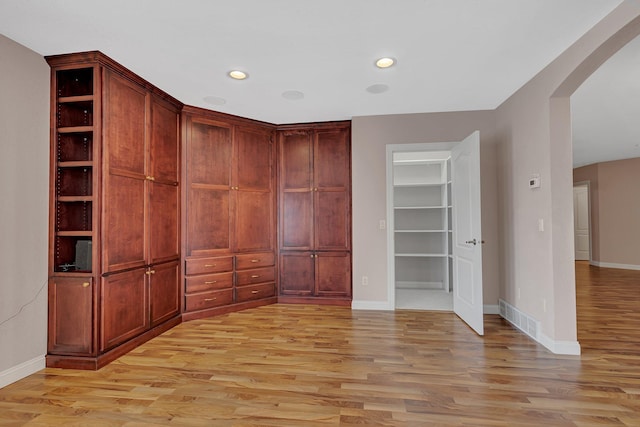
point(581, 221)
point(467, 233)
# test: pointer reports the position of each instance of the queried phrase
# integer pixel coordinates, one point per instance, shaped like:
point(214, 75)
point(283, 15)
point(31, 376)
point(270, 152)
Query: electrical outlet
point(365, 280)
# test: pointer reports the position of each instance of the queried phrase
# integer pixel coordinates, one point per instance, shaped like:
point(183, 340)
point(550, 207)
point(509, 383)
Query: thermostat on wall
point(534, 181)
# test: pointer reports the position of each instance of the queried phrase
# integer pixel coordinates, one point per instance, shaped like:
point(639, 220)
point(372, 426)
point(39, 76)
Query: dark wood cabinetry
point(114, 251)
point(229, 211)
point(315, 213)
point(146, 231)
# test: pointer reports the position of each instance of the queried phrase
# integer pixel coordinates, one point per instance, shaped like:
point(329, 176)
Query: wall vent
point(520, 320)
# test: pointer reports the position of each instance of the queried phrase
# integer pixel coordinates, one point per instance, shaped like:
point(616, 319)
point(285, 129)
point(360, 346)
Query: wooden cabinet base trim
point(343, 302)
point(216, 311)
point(95, 363)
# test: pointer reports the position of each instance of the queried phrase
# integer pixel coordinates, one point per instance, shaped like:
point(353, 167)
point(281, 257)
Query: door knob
point(473, 242)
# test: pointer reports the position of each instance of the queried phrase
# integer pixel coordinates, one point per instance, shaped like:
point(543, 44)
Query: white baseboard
point(22, 370)
point(491, 309)
point(531, 327)
point(615, 265)
point(384, 305)
point(372, 305)
point(571, 348)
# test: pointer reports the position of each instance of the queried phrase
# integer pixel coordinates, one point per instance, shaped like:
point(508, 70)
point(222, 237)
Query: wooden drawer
point(251, 292)
point(257, 275)
point(208, 299)
point(261, 259)
point(208, 282)
point(208, 265)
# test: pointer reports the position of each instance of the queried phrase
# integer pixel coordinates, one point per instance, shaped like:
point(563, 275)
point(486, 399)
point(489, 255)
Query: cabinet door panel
point(254, 159)
point(70, 315)
point(124, 117)
point(333, 274)
point(125, 307)
point(209, 206)
point(208, 221)
point(332, 220)
point(295, 160)
point(123, 223)
point(164, 206)
point(254, 221)
point(332, 159)
point(163, 291)
point(209, 153)
point(296, 220)
point(297, 273)
point(163, 150)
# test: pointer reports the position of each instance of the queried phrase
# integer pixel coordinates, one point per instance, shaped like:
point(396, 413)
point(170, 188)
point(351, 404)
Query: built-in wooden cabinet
point(315, 213)
point(115, 237)
point(161, 212)
point(229, 211)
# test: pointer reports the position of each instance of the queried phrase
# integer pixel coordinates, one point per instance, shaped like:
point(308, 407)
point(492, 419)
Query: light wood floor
point(286, 365)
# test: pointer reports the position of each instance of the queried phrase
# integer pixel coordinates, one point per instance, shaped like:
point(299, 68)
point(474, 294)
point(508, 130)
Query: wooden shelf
point(75, 129)
point(74, 233)
point(75, 164)
point(75, 198)
point(80, 98)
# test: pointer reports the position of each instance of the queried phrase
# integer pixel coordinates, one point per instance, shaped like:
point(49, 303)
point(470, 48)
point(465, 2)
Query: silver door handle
point(474, 242)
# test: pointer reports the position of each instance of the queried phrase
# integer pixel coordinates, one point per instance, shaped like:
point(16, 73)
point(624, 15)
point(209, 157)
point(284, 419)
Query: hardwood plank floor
point(294, 365)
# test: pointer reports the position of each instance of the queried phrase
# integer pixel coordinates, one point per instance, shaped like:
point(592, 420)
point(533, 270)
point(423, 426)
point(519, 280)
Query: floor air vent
point(520, 320)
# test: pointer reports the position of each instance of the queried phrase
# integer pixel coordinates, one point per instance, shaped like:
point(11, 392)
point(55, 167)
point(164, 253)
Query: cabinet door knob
point(255, 260)
point(150, 272)
point(209, 265)
point(210, 299)
point(85, 284)
point(210, 282)
point(149, 178)
point(255, 276)
point(254, 292)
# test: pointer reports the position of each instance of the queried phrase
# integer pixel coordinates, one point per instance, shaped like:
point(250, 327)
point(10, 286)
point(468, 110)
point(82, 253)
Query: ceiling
point(314, 61)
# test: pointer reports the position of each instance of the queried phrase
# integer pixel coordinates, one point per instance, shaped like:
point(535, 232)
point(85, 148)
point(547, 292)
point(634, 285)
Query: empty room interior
point(320, 213)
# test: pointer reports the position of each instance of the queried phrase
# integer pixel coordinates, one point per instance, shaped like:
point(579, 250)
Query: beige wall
point(615, 210)
point(370, 136)
point(534, 136)
point(24, 177)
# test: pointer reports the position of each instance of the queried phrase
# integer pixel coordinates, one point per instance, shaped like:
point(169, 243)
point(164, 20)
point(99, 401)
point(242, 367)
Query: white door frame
point(588, 185)
point(391, 265)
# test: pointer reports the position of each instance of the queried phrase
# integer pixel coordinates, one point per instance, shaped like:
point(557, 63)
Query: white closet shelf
point(421, 231)
point(425, 184)
point(421, 255)
point(420, 207)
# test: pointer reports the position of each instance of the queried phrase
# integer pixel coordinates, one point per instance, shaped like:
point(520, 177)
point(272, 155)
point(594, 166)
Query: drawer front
point(258, 275)
point(208, 265)
point(208, 282)
point(208, 300)
point(251, 292)
point(261, 259)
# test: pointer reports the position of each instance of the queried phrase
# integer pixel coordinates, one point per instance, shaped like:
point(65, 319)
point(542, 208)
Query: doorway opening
point(434, 236)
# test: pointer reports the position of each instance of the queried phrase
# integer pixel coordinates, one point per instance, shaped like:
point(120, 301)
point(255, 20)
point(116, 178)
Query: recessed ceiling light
point(385, 62)
point(238, 75)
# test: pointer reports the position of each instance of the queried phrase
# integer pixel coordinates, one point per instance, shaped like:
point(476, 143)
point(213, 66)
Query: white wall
point(24, 193)
point(534, 134)
point(370, 135)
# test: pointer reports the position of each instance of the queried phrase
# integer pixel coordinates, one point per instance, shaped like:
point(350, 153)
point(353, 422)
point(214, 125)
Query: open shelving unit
point(74, 170)
point(422, 221)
